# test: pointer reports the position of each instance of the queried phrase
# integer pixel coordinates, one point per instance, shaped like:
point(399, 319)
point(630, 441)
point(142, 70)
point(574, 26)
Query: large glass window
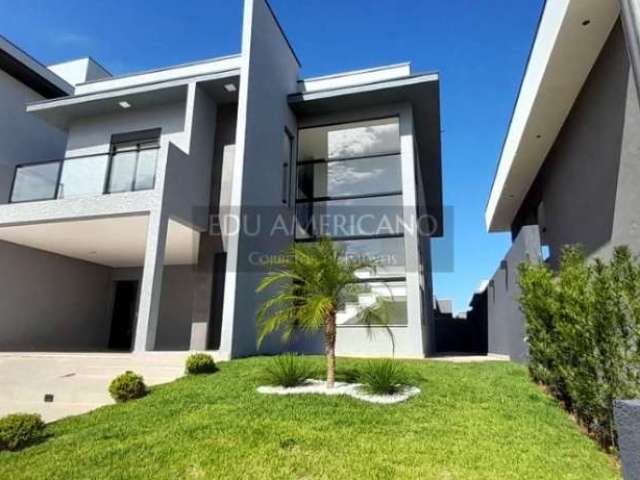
point(387, 299)
point(361, 176)
point(349, 140)
point(371, 216)
point(349, 188)
point(387, 253)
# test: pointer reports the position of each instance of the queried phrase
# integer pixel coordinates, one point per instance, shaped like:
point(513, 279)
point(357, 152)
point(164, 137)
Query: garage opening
point(74, 286)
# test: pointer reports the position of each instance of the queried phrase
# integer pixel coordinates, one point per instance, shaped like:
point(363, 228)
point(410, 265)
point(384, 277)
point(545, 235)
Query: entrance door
point(124, 315)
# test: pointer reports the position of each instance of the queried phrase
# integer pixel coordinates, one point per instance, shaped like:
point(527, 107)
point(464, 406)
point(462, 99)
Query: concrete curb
point(627, 418)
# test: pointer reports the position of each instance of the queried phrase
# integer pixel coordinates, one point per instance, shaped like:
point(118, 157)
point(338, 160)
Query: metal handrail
point(89, 155)
point(61, 162)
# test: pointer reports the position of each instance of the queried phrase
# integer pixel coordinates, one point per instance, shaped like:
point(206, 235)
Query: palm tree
point(312, 283)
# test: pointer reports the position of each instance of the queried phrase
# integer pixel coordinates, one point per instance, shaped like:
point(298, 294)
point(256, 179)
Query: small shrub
point(200, 363)
point(383, 377)
point(288, 370)
point(20, 430)
point(127, 386)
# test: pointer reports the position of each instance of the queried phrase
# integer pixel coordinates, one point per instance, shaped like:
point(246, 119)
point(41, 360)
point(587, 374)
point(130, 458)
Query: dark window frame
point(288, 167)
point(137, 138)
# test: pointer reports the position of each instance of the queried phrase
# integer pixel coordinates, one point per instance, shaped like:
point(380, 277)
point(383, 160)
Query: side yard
point(471, 421)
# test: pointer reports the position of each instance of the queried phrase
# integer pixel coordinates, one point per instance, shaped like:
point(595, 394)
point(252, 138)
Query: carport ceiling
point(113, 241)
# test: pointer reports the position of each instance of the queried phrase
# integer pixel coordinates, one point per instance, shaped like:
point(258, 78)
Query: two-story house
point(117, 194)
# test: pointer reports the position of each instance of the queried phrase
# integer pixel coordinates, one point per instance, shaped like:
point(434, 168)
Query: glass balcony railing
point(121, 171)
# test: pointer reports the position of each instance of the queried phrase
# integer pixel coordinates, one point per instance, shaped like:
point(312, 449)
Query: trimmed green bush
point(20, 430)
point(127, 386)
point(198, 363)
point(383, 377)
point(583, 331)
point(288, 370)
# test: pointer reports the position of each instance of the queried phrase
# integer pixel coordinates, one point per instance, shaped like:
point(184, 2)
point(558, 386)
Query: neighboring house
point(119, 238)
point(570, 166)
point(23, 80)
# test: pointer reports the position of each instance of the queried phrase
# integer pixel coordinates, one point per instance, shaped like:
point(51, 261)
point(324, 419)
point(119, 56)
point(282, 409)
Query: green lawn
point(472, 421)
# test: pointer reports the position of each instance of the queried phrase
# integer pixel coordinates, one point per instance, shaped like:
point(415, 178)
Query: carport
point(74, 285)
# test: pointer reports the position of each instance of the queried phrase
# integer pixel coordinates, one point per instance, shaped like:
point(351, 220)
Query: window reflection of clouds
point(353, 142)
point(344, 175)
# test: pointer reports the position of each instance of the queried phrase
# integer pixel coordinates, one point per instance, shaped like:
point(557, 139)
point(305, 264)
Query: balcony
point(122, 170)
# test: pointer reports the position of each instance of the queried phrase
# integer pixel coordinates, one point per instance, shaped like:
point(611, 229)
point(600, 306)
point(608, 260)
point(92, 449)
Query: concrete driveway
point(77, 381)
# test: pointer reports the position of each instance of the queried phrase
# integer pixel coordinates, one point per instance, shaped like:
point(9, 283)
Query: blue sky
point(480, 48)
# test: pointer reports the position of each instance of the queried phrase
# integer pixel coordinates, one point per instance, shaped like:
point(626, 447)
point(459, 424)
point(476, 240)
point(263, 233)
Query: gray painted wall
point(205, 315)
point(506, 323)
point(176, 303)
point(589, 181)
point(23, 138)
point(426, 265)
point(90, 135)
point(188, 185)
point(269, 73)
point(51, 302)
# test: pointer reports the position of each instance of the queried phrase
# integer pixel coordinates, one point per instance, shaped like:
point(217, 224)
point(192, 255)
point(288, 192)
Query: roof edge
point(355, 72)
point(160, 69)
point(568, 42)
point(127, 90)
point(282, 32)
point(385, 83)
point(30, 71)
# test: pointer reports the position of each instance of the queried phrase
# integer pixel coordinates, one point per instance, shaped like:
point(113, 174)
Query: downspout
point(630, 14)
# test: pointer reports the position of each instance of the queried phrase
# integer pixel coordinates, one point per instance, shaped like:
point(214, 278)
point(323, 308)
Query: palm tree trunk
point(330, 348)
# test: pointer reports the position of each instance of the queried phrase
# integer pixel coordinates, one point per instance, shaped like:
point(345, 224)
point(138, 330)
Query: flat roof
point(422, 91)
point(149, 77)
point(570, 36)
point(30, 72)
point(355, 77)
point(60, 112)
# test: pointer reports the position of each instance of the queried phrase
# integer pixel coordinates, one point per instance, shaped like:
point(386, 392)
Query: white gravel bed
point(354, 390)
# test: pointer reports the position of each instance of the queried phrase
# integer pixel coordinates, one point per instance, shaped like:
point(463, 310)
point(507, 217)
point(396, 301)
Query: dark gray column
point(627, 416)
point(202, 292)
point(631, 23)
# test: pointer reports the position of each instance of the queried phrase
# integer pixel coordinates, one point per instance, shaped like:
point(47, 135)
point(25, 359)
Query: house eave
point(60, 112)
point(570, 36)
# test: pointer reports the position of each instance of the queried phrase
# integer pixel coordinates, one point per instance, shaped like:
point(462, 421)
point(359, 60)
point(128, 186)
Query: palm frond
point(377, 315)
point(308, 287)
